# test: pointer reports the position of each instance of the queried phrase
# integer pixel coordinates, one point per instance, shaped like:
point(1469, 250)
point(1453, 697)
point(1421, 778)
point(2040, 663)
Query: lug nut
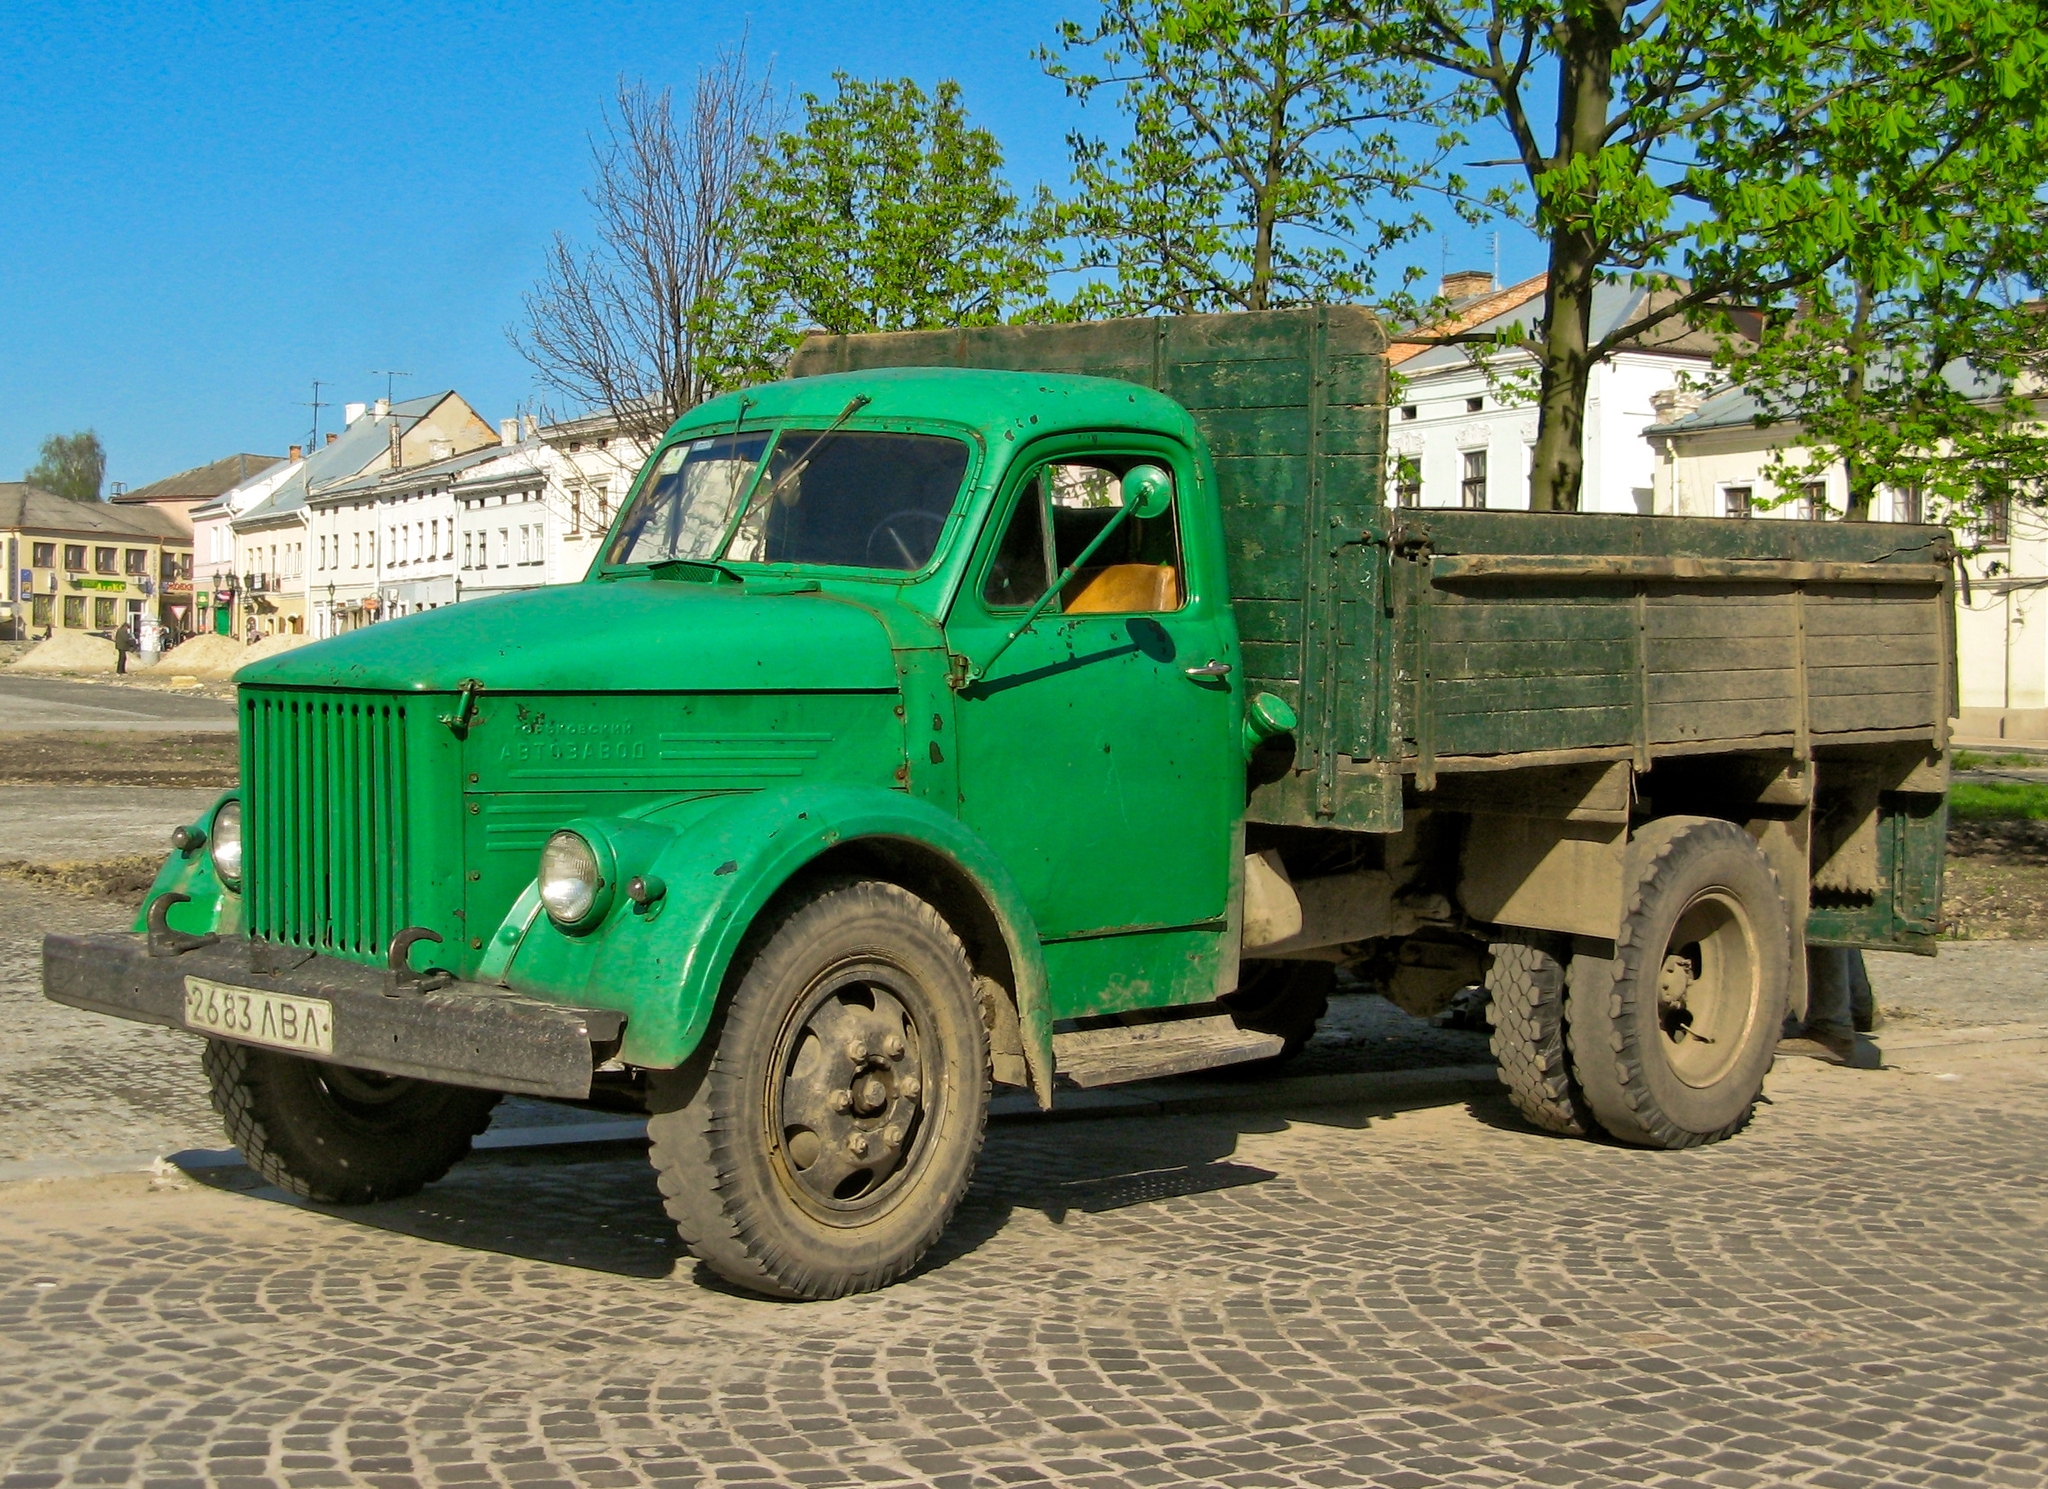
point(893, 1136)
point(840, 1101)
point(857, 1145)
point(856, 1051)
point(910, 1085)
point(893, 1046)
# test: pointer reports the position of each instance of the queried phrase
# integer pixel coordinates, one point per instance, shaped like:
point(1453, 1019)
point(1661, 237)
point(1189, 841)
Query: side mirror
point(1147, 491)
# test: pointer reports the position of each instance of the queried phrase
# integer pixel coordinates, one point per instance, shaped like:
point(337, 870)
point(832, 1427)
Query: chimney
point(1466, 284)
point(332, 436)
point(1672, 404)
point(298, 453)
point(397, 446)
point(532, 428)
point(383, 408)
point(353, 411)
point(508, 432)
point(440, 449)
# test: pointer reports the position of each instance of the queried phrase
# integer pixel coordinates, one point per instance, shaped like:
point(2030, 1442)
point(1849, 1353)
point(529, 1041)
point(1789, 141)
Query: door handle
point(1210, 669)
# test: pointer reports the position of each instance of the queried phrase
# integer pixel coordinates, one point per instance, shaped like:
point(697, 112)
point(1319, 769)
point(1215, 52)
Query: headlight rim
point(224, 808)
point(602, 893)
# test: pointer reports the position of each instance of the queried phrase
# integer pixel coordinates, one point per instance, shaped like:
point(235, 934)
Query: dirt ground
point(1997, 885)
point(112, 758)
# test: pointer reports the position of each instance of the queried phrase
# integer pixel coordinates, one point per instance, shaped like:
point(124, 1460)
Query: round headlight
point(569, 878)
point(225, 842)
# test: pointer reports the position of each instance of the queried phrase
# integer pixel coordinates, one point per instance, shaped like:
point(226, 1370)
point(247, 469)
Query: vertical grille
point(324, 820)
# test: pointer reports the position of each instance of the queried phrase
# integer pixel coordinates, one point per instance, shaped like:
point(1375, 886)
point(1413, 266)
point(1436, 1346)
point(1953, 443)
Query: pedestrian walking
point(1838, 1003)
point(124, 642)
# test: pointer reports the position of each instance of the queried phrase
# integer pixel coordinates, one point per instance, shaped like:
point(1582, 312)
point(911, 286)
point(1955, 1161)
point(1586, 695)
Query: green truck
point(1041, 706)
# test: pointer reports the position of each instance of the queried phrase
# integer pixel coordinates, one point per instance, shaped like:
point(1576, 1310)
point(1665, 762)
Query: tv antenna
point(389, 376)
point(315, 405)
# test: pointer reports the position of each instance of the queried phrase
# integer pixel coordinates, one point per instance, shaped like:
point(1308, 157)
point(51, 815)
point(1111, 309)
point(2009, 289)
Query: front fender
point(189, 871)
point(721, 863)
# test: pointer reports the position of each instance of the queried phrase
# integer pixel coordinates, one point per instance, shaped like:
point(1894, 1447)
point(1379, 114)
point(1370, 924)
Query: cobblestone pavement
point(1851, 1292)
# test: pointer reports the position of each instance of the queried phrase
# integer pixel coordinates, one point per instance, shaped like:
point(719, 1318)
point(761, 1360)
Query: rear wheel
point(1672, 1041)
point(1530, 1043)
point(820, 1140)
point(340, 1136)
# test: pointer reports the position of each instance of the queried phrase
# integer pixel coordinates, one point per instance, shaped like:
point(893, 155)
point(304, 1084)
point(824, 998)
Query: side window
point(1064, 508)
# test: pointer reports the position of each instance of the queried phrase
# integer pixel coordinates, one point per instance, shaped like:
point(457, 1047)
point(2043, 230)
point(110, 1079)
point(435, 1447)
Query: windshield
point(853, 499)
point(841, 498)
point(686, 506)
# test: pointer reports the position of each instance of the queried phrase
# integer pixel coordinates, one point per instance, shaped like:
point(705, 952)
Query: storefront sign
point(113, 584)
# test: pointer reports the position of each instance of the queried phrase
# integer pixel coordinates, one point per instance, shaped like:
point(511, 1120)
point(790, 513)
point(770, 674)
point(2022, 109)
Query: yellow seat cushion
point(1115, 589)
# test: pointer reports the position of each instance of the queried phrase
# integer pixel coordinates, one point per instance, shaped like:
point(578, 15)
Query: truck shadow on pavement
point(595, 1206)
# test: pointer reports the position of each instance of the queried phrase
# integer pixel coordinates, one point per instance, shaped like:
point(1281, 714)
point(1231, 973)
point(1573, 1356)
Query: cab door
point(1100, 755)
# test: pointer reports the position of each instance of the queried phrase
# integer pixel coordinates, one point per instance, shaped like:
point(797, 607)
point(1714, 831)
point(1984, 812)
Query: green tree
point(73, 466)
point(885, 210)
point(1266, 163)
point(1717, 151)
point(1925, 383)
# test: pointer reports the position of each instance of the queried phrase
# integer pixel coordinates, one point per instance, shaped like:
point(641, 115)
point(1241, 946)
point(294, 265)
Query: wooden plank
point(1205, 387)
point(1549, 729)
point(1874, 617)
point(1535, 658)
point(1272, 662)
point(1702, 687)
point(1701, 654)
point(1711, 623)
point(1922, 649)
point(1257, 431)
point(1849, 682)
point(1672, 723)
point(1450, 696)
point(1873, 711)
point(1268, 620)
point(1457, 625)
point(1508, 567)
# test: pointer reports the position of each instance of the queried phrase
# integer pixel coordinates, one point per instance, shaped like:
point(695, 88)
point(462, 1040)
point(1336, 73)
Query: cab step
point(1141, 1052)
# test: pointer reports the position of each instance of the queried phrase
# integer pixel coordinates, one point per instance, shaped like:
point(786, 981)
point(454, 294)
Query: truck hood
point(632, 635)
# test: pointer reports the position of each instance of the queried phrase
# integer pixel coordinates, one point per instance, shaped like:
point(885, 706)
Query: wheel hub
point(851, 1098)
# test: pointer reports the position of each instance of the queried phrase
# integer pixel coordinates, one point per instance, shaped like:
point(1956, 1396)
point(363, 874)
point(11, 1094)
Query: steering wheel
point(909, 517)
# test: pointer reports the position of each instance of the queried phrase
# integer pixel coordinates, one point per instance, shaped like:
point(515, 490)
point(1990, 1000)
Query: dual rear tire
point(1666, 1043)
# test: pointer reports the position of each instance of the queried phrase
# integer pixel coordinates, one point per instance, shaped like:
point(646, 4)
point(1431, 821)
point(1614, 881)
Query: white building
point(517, 523)
point(1453, 441)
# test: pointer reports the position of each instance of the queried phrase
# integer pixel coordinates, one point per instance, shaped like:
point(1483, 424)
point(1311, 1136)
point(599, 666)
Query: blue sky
point(203, 207)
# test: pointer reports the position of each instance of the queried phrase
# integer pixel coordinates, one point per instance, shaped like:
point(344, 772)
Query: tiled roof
point(202, 482)
point(1614, 306)
point(26, 508)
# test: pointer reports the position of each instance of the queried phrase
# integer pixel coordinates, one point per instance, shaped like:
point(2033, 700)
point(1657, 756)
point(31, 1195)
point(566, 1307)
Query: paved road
point(1852, 1292)
point(67, 824)
point(30, 704)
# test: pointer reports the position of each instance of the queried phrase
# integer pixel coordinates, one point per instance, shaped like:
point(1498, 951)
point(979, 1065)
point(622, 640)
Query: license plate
point(282, 1020)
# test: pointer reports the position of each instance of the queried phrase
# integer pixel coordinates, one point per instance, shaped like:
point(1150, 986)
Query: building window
point(1994, 522)
point(575, 511)
point(1473, 485)
point(74, 558)
point(1408, 412)
point(103, 613)
point(1408, 480)
point(1907, 505)
point(135, 561)
point(74, 612)
point(45, 556)
point(356, 550)
point(504, 546)
point(450, 553)
point(1735, 501)
point(468, 549)
point(1813, 501)
point(39, 610)
point(103, 560)
point(1474, 405)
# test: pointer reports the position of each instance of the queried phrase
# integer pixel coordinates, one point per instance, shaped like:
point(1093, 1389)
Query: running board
point(1143, 1052)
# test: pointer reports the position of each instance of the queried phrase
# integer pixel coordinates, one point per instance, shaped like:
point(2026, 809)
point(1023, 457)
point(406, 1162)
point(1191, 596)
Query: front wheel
point(340, 1136)
point(1671, 1040)
point(819, 1142)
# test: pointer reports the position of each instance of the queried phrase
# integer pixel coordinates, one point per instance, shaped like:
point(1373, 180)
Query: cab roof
point(991, 403)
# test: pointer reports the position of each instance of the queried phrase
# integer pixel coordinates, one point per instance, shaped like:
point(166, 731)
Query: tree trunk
point(1588, 38)
point(1862, 475)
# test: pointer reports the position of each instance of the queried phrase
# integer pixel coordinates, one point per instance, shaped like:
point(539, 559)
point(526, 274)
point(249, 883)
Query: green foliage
point(73, 466)
point(885, 210)
point(1973, 760)
point(1999, 801)
point(1725, 151)
point(1264, 166)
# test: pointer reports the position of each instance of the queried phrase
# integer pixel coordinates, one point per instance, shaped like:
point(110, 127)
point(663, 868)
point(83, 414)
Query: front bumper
point(465, 1034)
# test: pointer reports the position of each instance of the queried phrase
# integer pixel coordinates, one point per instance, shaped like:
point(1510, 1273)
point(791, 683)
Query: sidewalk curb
point(1183, 1098)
